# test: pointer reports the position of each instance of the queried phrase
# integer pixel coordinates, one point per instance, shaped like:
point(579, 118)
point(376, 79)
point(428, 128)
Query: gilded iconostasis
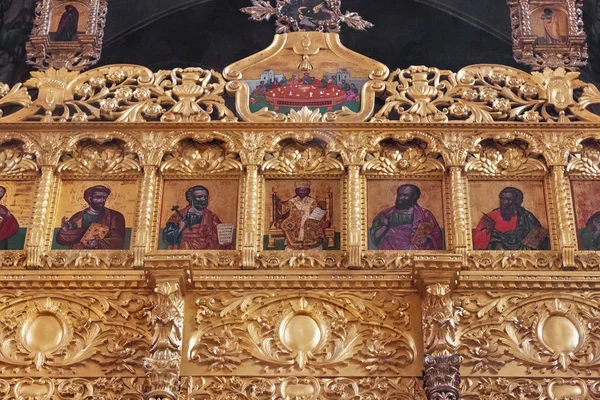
point(315, 216)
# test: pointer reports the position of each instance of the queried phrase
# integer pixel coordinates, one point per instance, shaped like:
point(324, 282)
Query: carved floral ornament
point(130, 93)
point(90, 157)
point(292, 157)
point(65, 333)
point(391, 157)
point(291, 333)
point(537, 331)
point(511, 159)
point(190, 157)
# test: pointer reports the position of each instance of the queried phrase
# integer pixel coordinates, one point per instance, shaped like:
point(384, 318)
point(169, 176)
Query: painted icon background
point(586, 202)
point(381, 194)
point(222, 200)
point(286, 190)
point(484, 198)
point(123, 198)
point(20, 201)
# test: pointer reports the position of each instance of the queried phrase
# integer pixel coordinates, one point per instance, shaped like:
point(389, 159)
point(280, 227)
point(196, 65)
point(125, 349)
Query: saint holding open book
point(95, 228)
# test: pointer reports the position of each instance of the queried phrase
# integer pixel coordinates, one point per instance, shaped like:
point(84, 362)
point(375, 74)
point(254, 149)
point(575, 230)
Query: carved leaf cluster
point(235, 329)
point(96, 158)
point(298, 158)
point(190, 157)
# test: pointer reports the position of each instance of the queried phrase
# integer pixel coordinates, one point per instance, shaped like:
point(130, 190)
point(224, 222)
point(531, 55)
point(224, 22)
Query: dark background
point(159, 34)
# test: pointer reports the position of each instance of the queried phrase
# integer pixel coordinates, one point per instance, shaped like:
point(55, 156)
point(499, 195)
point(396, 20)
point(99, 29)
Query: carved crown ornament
point(129, 93)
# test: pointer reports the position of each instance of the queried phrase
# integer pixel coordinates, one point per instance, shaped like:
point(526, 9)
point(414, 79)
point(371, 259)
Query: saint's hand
point(423, 242)
point(93, 244)
point(64, 224)
point(489, 223)
point(182, 226)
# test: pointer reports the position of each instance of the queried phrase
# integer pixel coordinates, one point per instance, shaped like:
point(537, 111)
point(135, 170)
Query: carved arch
point(290, 156)
point(17, 158)
point(402, 154)
point(99, 155)
point(196, 154)
point(508, 156)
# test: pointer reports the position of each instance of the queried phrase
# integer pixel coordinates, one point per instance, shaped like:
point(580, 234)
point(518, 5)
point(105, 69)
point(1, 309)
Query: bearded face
point(405, 198)
point(200, 199)
point(97, 200)
point(509, 204)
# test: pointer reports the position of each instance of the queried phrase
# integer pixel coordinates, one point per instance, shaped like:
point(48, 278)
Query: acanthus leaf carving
point(190, 157)
point(507, 160)
point(302, 158)
point(15, 161)
point(90, 157)
point(586, 162)
point(394, 158)
point(64, 332)
point(235, 329)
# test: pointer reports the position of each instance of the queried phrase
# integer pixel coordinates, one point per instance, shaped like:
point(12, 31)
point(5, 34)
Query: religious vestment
point(507, 235)
point(114, 239)
point(400, 234)
point(8, 227)
point(555, 33)
point(199, 234)
point(587, 239)
point(301, 231)
point(67, 26)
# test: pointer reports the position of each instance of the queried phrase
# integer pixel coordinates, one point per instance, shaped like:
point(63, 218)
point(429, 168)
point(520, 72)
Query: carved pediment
point(512, 159)
point(296, 158)
point(391, 157)
point(90, 157)
point(190, 157)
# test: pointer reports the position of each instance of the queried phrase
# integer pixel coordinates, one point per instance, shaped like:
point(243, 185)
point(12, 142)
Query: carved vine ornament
point(130, 93)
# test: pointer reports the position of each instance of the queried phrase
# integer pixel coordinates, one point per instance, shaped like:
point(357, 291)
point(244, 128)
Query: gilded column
point(567, 236)
point(36, 241)
point(458, 203)
point(251, 217)
point(354, 193)
point(146, 209)
point(163, 367)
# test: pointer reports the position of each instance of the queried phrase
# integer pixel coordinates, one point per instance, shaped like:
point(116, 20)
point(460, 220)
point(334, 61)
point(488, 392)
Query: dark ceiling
point(212, 34)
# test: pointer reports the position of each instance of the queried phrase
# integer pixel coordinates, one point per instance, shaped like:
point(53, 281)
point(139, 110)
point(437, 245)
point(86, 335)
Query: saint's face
point(200, 199)
point(98, 200)
point(405, 198)
point(302, 192)
point(2, 193)
point(509, 203)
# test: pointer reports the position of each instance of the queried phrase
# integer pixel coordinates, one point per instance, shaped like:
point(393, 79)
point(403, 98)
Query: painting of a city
point(329, 92)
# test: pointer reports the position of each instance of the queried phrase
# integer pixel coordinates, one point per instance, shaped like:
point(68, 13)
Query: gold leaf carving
point(66, 332)
point(14, 161)
point(87, 260)
point(538, 331)
point(392, 158)
point(509, 160)
point(297, 332)
point(91, 157)
point(259, 388)
point(587, 162)
point(73, 388)
point(531, 260)
point(299, 158)
point(308, 260)
point(190, 157)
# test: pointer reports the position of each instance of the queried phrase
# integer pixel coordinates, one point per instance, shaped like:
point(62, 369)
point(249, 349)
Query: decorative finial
point(305, 15)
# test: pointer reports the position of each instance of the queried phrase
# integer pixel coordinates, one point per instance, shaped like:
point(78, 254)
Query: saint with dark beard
point(510, 227)
point(194, 227)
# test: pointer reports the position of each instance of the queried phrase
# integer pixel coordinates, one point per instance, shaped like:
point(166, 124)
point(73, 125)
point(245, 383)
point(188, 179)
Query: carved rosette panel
point(530, 388)
point(115, 388)
point(321, 333)
point(45, 333)
point(303, 260)
point(15, 161)
point(190, 157)
point(585, 163)
point(412, 158)
point(102, 259)
point(533, 333)
point(260, 388)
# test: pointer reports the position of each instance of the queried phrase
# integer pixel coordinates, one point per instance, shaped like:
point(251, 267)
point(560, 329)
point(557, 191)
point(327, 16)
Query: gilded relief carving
point(317, 332)
point(61, 334)
point(537, 332)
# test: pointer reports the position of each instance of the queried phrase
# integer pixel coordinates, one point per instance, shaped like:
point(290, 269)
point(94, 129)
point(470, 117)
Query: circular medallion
point(43, 334)
point(301, 333)
point(560, 334)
